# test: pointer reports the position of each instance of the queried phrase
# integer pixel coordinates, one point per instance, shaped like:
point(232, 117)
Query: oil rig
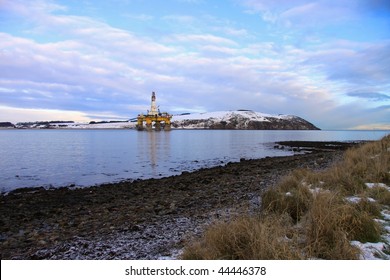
point(154, 118)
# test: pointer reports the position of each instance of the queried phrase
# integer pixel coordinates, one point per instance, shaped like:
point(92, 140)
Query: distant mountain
point(6, 125)
point(241, 119)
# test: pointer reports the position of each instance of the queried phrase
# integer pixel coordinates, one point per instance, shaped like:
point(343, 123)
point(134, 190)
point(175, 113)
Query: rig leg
point(157, 126)
point(167, 127)
point(140, 127)
point(149, 124)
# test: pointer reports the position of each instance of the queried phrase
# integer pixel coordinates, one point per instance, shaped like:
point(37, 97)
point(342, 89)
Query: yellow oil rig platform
point(154, 119)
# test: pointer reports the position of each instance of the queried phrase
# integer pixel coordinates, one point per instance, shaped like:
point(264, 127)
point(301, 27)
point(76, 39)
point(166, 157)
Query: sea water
point(55, 158)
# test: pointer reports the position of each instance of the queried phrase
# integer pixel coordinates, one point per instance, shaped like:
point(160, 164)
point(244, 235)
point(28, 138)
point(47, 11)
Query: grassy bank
point(311, 215)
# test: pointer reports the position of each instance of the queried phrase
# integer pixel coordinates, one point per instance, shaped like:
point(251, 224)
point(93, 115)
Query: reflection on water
point(31, 158)
point(153, 149)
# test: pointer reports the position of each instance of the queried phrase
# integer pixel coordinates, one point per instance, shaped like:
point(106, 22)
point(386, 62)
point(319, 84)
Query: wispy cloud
point(362, 66)
point(370, 95)
point(202, 39)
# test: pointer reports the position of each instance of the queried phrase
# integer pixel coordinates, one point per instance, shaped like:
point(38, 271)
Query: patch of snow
point(113, 125)
point(380, 250)
point(173, 255)
point(317, 190)
point(380, 185)
point(386, 215)
point(305, 184)
point(372, 251)
point(355, 199)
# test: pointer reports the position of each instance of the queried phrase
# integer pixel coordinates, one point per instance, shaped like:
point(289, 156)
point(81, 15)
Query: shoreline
point(290, 148)
point(182, 128)
point(142, 219)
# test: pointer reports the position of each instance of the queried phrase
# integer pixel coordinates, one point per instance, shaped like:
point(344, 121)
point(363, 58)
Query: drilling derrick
point(153, 106)
point(154, 118)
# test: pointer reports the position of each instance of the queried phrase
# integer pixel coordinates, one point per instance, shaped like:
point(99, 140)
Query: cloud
point(372, 126)
point(370, 95)
point(202, 39)
point(299, 12)
point(217, 83)
point(239, 32)
point(33, 10)
point(375, 118)
point(96, 70)
point(354, 115)
point(31, 68)
point(314, 14)
point(28, 114)
point(365, 65)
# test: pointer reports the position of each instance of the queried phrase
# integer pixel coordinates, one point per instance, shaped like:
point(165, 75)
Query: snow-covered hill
point(109, 125)
point(78, 125)
point(241, 119)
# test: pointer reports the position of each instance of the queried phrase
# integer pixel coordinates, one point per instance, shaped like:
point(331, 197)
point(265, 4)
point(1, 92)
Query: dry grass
point(307, 215)
point(331, 223)
point(294, 201)
point(323, 223)
point(381, 195)
point(246, 238)
point(368, 163)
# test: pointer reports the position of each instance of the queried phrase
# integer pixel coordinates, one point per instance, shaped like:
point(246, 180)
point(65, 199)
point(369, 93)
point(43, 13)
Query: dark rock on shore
point(317, 145)
point(144, 219)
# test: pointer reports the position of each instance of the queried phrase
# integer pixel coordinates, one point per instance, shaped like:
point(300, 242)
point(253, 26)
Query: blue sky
point(327, 61)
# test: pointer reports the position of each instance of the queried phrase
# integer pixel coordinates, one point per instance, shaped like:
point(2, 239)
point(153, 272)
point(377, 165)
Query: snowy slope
point(74, 125)
point(119, 125)
point(224, 115)
point(239, 120)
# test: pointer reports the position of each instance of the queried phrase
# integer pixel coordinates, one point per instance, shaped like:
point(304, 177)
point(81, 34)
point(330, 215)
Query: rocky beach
point(143, 219)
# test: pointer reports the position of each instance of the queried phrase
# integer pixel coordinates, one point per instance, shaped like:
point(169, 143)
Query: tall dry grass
point(246, 238)
point(292, 197)
point(331, 223)
point(368, 163)
point(307, 215)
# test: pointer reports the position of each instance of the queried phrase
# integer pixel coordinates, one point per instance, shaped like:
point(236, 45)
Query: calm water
point(30, 158)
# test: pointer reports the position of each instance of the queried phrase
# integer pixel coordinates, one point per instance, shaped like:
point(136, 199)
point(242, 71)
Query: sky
point(327, 61)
